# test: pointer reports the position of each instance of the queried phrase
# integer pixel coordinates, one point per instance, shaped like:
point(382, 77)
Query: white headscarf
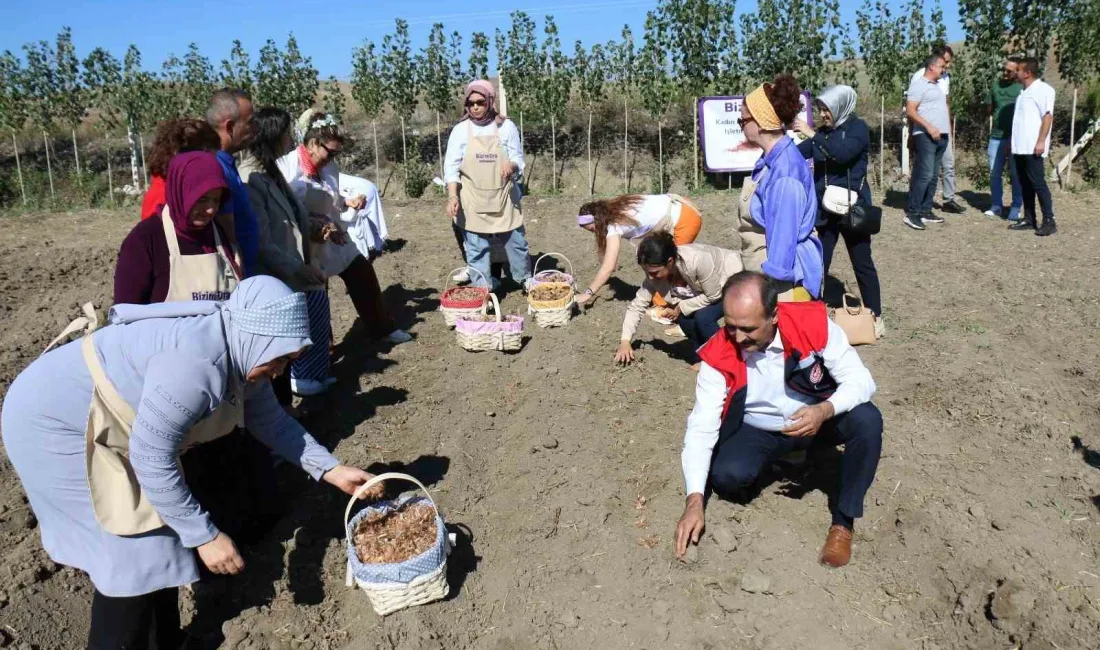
point(841, 102)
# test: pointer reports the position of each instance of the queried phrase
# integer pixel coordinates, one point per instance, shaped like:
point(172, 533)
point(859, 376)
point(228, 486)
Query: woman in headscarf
point(634, 216)
point(173, 137)
point(95, 428)
point(778, 206)
point(840, 150)
point(312, 173)
point(184, 254)
point(482, 169)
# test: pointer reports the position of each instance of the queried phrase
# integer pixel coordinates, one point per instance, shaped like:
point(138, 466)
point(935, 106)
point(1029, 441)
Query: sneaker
point(1048, 228)
point(309, 387)
point(1013, 214)
point(880, 327)
point(913, 221)
point(1022, 224)
point(397, 337)
point(675, 332)
point(951, 207)
point(462, 277)
point(528, 284)
point(931, 217)
point(993, 213)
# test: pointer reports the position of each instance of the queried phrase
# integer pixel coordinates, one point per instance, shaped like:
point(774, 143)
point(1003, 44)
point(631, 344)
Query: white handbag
point(838, 200)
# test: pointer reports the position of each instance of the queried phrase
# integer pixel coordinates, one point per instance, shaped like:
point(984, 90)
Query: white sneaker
point(309, 387)
point(994, 212)
point(462, 277)
point(880, 327)
point(397, 337)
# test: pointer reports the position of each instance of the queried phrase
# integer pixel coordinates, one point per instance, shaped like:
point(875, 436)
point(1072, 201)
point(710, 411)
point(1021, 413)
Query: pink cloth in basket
point(510, 324)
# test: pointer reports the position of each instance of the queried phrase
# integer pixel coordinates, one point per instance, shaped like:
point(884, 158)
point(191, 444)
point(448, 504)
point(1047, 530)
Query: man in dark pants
point(926, 108)
point(776, 378)
point(1031, 124)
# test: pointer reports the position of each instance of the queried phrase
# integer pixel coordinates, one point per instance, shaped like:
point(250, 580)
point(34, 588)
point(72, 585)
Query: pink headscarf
point(486, 90)
point(190, 176)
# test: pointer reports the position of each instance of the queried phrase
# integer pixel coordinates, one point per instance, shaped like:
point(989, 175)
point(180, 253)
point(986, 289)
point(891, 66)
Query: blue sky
point(327, 31)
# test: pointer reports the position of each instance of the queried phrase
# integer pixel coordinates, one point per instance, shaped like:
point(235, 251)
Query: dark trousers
point(1033, 183)
point(859, 250)
point(743, 454)
point(146, 622)
point(281, 386)
point(366, 295)
point(926, 170)
point(701, 324)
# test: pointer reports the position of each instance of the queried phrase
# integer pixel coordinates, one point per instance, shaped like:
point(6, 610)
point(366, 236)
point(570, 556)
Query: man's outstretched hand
point(691, 524)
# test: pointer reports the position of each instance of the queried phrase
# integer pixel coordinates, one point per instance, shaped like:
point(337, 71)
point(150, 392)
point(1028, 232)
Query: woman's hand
point(356, 202)
point(452, 207)
point(507, 168)
point(624, 356)
point(584, 298)
point(348, 480)
point(672, 313)
point(220, 555)
point(800, 126)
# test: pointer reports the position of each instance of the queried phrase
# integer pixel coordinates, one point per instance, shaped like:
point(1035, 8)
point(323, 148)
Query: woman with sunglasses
point(314, 177)
point(483, 165)
point(778, 206)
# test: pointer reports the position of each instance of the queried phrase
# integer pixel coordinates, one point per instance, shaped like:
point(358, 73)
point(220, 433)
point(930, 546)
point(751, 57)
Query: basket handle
point(362, 489)
point(536, 267)
point(496, 306)
point(447, 280)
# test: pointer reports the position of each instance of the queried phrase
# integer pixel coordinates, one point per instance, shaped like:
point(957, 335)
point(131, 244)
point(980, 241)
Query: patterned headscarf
point(264, 320)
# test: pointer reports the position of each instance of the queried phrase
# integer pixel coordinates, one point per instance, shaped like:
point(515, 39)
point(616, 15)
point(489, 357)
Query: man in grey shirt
point(926, 108)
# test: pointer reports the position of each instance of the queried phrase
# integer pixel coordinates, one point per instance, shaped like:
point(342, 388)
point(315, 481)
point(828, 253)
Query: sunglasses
point(331, 152)
point(742, 121)
point(476, 102)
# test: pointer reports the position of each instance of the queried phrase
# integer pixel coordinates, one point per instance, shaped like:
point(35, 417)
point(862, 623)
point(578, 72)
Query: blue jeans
point(701, 324)
point(926, 169)
point(999, 155)
point(515, 246)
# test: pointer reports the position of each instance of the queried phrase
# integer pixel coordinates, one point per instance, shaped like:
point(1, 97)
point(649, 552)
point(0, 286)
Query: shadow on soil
point(819, 472)
point(1091, 457)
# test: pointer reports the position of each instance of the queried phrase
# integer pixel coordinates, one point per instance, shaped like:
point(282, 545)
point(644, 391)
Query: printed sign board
point(723, 143)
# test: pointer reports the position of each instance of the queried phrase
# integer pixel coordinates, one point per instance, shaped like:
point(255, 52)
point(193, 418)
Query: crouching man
point(776, 378)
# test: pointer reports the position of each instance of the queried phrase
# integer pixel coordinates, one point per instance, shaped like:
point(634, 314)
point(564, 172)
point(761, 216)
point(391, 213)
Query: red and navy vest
point(804, 330)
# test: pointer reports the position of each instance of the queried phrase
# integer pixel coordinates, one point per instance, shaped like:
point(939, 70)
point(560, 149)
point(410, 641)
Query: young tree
point(553, 88)
point(198, 79)
point(13, 112)
point(519, 62)
point(103, 79)
point(237, 69)
point(845, 69)
point(70, 100)
point(367, 91)
point(124, 95)
point(437, 76)
point(40, 83)
point(728, 78)
point(334, 102)
point(590, 71)
point(285, 79)
point(621, 64)
point(658, 90)
point(400, 81)
point(793, 36)
point(454, 53)
point(882, 59)
point(479, 57)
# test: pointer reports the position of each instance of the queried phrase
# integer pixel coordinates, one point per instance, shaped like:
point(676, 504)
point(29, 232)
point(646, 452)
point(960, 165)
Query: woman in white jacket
point(314, 177)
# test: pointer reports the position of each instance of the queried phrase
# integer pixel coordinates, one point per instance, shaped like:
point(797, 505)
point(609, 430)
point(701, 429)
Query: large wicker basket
point(453, 308)
point(504, 334)
point(392, 587)
point(550, 275)
point(551, 313)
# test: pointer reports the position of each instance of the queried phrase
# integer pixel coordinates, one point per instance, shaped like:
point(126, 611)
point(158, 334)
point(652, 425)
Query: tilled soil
point(560, 473)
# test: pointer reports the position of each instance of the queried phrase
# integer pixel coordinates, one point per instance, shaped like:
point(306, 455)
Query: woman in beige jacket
point(690, 278)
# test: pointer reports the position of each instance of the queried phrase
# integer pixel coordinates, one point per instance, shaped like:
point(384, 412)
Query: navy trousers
point(701, 324)
point(741, 455)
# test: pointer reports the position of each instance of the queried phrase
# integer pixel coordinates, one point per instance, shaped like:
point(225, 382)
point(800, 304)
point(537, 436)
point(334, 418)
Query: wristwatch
point(588, 292)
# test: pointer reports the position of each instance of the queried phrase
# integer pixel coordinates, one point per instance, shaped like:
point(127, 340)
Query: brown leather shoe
point(838, 547)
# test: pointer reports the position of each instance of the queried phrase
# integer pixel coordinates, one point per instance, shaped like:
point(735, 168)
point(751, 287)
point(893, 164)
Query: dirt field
point(563, 472)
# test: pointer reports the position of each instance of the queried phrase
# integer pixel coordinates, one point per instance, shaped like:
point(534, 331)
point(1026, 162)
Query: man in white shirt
point(947, 164)
point(1031, 125)
point(776, 378)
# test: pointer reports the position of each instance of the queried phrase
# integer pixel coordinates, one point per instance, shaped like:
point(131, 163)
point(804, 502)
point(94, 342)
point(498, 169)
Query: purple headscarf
point(190, 176)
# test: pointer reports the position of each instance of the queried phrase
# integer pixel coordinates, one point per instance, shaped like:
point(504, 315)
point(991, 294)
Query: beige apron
point(486, 202)
point(754, 251)
point(209, 276)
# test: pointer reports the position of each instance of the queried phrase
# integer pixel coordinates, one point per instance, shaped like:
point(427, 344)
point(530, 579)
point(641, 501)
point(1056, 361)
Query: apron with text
point(209, 276)
point(486, 201)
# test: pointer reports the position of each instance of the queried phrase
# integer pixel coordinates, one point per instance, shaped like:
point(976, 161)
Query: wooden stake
point(439, 144)
point(110, 181)
point(1072, 137)
point(49, 168)
point(76, 156)
point(695, 139)
point(661, 156)
point(626, 144)
point(881, 141)
point(404, 155)
point(377, 165)
point(553, 154)
point(19, 167)
point(591, 181)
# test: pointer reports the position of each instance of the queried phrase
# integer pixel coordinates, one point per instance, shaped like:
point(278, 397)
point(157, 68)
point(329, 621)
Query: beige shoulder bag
point(858, 323)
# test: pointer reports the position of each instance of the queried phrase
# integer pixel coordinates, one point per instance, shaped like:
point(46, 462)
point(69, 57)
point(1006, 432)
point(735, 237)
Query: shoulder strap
point(103, 383)
point(89, 323)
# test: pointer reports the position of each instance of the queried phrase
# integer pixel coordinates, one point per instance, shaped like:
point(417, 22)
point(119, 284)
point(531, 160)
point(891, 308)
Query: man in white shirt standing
point(947, 164)
point(776, 378)
point(1031, 126)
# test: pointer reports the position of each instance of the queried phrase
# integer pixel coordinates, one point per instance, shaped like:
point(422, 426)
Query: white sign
point(724, 145)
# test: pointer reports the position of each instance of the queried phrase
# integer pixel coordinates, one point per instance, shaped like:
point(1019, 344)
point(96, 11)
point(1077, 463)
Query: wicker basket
point(452, 308)
point(542, 277)
point(506, 334)
point(392, 587)
point(551, 313)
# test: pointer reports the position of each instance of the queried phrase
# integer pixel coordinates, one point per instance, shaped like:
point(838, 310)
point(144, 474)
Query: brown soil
point(396, 535)
point(561, 474)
